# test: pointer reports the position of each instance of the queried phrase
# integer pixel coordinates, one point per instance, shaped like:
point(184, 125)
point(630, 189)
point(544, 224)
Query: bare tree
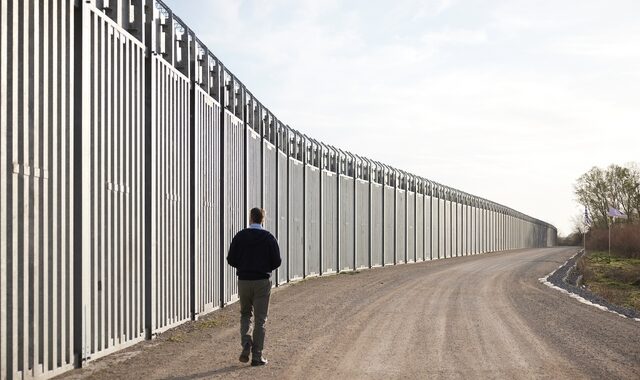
point(616, 186)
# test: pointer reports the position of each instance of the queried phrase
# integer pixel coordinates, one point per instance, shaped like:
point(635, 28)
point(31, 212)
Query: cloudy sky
point(509, 100)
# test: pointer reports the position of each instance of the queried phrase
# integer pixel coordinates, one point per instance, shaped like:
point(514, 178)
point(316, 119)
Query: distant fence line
point(129, 156)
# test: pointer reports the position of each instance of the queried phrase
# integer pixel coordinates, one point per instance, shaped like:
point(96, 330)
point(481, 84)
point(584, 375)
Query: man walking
point(254, 252)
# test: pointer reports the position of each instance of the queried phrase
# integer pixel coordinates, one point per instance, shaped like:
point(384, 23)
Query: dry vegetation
point(614, 277)
point(625, 240)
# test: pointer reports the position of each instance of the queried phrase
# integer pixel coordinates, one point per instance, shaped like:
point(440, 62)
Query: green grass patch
point(176, 338)
point(613, 277)
point(211, 323)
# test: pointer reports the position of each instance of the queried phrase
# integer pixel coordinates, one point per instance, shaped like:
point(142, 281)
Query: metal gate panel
point(389, 226)
point(113, 208)
point(36, 188)
point(296, 208)
point(254, 169)
point(346, 237)
point(401, 225)
point(377, 230)
point(362, 220)
point(170, 196)
point(207, 202)
point(329, 225)
point(312, 221)
point(420, 237)
point(283, 217)
point(411, 227)
point(235, 212)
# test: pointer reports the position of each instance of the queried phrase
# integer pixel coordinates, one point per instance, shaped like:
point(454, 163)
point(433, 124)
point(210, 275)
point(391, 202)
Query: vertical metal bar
point(14, 191)
point(321, 212)
point(369, 213)
point(395, 218)
point(303, 224)
point(26, 192)
point(7, 180)
point(119, 194)
point(4, 179)
point(338, 214)
point(39, 190)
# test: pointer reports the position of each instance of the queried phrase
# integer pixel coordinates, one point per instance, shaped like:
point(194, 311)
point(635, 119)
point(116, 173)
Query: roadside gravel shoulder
point(565, 277)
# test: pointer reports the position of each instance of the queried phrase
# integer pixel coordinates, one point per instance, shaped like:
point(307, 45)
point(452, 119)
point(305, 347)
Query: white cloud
point(508, 100)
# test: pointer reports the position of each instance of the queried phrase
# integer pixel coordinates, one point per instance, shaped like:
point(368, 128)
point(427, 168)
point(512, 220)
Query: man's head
point(256, 215)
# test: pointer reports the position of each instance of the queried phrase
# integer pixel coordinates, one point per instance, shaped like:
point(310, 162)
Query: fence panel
point(270, 157)
point(401, 225)
point(329, 225)
point(420, 236)
point(296, 220)
point(442, 228)
point(389, 226)
point(270, 186)
point(170, 196)
point(362, 224)
point(428, 230)
point(377, 230)
point(312, 221)
point(474, 230)
point(459, 229)
point(114, 188)
point(254, 169)
point(411, 227)
point(465, 225)
point(207, 202)
point(235, 212)
point(36, 188)
point(346, 237)
point(454, 229)
point(283, 216)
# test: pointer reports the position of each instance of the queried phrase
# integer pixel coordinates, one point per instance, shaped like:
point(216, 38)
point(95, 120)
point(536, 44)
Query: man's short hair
point(256, 215)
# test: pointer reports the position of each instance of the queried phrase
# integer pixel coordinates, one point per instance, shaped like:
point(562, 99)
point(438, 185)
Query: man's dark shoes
point(258, 362)
point(246, 351)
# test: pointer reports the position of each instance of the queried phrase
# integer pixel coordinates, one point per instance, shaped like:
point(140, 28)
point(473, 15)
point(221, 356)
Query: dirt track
point(484, 316)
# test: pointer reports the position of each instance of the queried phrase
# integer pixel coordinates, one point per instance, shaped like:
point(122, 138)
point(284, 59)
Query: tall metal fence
point(129, 156)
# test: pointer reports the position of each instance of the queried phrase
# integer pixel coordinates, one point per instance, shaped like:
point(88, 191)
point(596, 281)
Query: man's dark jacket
point(255, 254)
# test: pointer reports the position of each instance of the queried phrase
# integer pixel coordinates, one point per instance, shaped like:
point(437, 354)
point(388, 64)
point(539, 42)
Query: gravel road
point(483, 316)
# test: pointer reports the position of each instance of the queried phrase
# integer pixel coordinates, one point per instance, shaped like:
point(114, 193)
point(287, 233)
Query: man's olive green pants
point(254, 301)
